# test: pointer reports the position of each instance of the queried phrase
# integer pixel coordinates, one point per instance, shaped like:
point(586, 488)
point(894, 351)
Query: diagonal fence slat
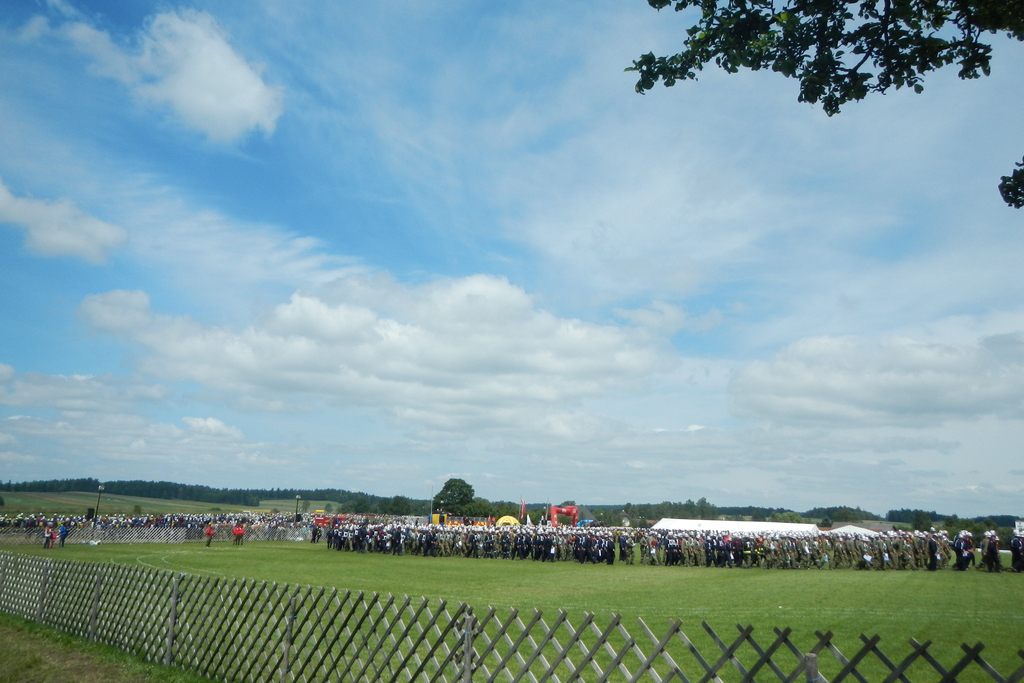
point(1017, 675)
point(727, 653)
point(850, 665)
point(512, 646)
point(897, 670)
point(970, 654)
point(647, 662)
point(588, 658)
point(537, 653)
point(439, 644)
point(765, 656)
point(247, 631)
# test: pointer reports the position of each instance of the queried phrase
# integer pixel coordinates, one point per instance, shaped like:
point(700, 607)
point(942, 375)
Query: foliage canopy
point(455, 496)
point(841, 50)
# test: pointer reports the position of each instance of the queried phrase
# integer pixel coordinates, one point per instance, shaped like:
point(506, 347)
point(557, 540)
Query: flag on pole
point(522, 508)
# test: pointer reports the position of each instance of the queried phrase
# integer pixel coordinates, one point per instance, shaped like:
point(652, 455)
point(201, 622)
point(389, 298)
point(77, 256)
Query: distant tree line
point(457, 497)
point(841, 513)
point(145, 489)
point(906, 516)
point(702, 509)
point(346, 501)
point(758, 514)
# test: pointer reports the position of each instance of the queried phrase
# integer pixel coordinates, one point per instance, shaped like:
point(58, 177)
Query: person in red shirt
point(209, 533)
point(239, 532)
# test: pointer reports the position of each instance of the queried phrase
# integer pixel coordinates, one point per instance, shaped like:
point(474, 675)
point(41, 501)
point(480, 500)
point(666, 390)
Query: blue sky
point(375, 247)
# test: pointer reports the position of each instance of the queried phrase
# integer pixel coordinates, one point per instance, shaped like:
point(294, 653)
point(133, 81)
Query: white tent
point(851, 529)
point(724, 526)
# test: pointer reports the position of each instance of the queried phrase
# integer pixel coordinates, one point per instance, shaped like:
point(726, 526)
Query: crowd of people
point(187, 521)
point(895, 550)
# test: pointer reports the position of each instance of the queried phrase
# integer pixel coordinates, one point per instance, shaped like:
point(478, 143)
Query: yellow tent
point(508, 520)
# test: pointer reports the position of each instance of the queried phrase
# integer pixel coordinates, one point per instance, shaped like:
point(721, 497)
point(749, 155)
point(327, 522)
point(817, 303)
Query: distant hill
point(75, 503)
point(353, 500)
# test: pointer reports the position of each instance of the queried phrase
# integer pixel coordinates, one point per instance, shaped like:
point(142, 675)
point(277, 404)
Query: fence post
point(43, 586)
point(468, 631)
point(8, 560)
point(811, 668)
point(286, 666)
point(172, 619)
point(97, 590)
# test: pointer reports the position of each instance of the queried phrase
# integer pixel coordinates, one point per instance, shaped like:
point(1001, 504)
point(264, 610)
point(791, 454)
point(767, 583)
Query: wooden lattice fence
point(244, 630)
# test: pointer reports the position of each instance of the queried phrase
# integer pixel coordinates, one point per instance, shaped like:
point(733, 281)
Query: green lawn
point(946, 607)
point(36, 654)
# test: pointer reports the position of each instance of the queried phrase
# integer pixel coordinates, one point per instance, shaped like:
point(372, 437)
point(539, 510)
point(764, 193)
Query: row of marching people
point(894, 550)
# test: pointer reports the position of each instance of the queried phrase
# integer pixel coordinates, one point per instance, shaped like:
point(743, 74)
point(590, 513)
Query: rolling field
point(946, 607)
point(287, 505)
point(76, 503)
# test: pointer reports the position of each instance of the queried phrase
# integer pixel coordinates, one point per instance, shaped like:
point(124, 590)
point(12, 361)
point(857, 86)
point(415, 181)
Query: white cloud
point(448, 354)
point(63, 7)
point(667, 319)
point(36, 27)
point(78, 393)
point(112, 440)
point(10, 458)
point(219, 257)
point(59, 228)
point(897, 381)
point(184, 60)
point(118, 312)
point(212, 426)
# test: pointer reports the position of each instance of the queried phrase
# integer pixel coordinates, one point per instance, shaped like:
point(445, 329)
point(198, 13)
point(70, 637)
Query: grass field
point(36, 654)
point(946, 607)
point(287, 505)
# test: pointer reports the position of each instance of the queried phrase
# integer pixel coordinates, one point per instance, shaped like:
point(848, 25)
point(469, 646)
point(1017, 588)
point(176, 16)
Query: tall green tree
point(845, 514)
point(455, 496)
point(842, 50)
point(398, 505)
point(788, 517)
point(706, 510)
point(921, 520)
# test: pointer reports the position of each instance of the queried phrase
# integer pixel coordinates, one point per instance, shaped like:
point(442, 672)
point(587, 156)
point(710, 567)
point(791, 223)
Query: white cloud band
point(59, 228)
point(184, 61)
point(449, 354)
point(898, 381)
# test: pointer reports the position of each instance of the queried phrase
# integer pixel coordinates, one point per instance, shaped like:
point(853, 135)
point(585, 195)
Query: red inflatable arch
point(569, 510)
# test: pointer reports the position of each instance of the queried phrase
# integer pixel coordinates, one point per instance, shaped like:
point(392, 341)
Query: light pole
point(99, 492)
point(297, 497)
